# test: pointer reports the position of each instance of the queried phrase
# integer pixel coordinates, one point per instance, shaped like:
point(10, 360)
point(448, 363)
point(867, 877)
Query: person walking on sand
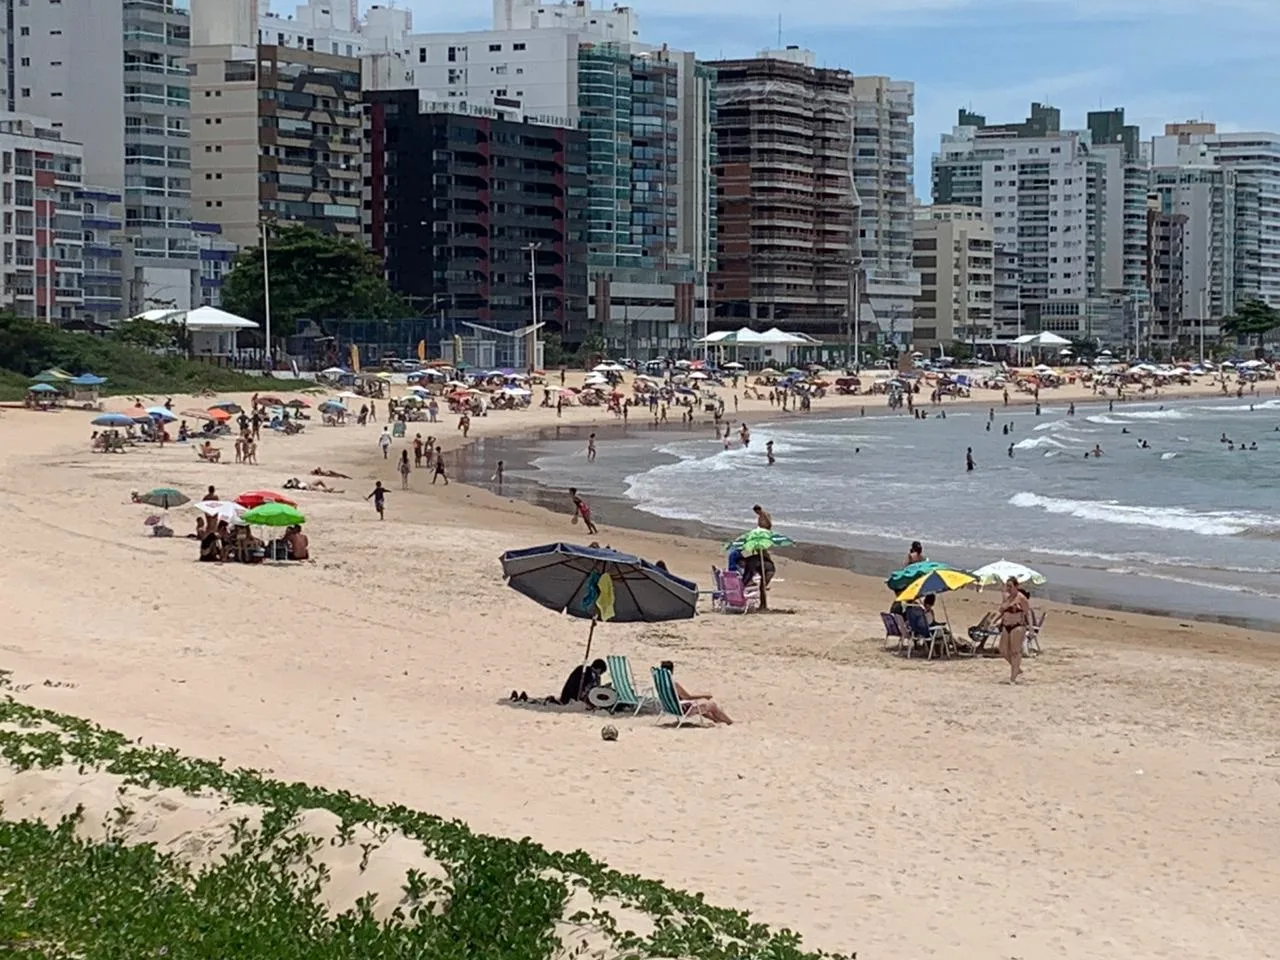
point(417, 450)
point(591, 448)
point(581, 511)
point(439, 472)
point(1014, 613)
point(378, 495)
point(968, 460)
point(384, 441)
point(497, 476)
point(404, 469)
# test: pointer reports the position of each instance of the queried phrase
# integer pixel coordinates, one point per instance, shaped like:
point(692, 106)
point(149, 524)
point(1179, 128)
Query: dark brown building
point(787, 210)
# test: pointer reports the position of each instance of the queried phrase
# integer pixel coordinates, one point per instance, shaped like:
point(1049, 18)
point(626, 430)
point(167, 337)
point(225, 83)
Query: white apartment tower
point(883, 158)
point(1044, 192)
point(112, 74)
point(1255, 160)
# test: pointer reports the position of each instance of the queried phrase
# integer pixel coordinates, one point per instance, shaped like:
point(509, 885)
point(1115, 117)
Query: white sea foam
point(1054, 425)
point(1155, 415)
point(1209, 524)
point(1103, 418)
point(1167, 456)
point(1032, 442)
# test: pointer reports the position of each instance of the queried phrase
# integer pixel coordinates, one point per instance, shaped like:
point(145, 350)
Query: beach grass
point(27, 347)
point(62, 893)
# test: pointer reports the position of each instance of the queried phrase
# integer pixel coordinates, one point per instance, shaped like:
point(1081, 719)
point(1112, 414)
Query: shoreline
point(477, 458)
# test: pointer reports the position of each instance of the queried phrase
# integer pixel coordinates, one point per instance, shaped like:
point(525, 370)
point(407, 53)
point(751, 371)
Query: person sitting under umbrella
point(584, 678)
point(710, 709)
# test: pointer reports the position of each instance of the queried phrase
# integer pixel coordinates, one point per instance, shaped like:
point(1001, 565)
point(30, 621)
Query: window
point(422, 54)
point(495, 48)
point(26, 91)
point(517, 46)
point(453, 55)
point(25, 61)
point(24, 31)
point(56, 93)
point(55, 63)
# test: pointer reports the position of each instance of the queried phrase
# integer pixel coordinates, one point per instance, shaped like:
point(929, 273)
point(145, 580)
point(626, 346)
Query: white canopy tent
point(213, 331)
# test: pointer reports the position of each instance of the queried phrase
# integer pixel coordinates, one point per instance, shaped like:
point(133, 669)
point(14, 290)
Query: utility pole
point(531, 347)
point(266, 294)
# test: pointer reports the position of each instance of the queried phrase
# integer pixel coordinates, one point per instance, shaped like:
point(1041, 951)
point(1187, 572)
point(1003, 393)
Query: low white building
point(757, 348)
point(213, 332)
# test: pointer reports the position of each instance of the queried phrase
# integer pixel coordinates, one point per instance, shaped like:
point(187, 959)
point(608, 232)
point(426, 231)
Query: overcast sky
point(1163, 60)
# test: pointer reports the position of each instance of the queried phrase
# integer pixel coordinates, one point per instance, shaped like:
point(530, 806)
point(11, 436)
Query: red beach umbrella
point(256, 498)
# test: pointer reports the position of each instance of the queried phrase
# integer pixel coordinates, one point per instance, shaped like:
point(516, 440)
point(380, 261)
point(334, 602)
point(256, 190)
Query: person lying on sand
point(293, 483)
point(322, 472)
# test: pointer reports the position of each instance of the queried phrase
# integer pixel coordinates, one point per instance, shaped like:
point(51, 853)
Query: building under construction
point(787, 207)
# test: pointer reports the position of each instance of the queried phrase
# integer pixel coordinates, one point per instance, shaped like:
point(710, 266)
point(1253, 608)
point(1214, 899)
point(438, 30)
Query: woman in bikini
point(1014, 611)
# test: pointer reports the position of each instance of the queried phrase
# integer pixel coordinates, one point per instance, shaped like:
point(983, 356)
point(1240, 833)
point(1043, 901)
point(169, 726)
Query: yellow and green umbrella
point(936, 581)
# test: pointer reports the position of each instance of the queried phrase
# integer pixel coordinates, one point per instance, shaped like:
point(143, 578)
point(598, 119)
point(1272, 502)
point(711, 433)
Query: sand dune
point(1123, 802)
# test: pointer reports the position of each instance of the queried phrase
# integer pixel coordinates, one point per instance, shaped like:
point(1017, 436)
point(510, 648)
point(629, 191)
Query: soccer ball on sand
point(608, 732)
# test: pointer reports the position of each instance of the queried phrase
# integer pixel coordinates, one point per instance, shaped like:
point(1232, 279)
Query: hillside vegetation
point(27, 347)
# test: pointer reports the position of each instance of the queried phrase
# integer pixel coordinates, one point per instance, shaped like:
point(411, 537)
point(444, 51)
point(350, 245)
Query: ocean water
point(1183, 526)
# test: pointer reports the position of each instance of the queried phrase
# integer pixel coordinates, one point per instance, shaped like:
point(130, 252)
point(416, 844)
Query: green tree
point(313, 274)
point(1083, 348)
point(146, 334)
point(1253, 319)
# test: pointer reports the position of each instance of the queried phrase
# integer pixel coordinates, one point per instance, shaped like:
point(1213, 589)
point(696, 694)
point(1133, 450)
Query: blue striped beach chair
point(624, 685)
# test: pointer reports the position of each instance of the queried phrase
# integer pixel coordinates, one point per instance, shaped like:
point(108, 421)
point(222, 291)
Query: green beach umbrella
point(758, 540)
point(274, 515)
point(164, 498)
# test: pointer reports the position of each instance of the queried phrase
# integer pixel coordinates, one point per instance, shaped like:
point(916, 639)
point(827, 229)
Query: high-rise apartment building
point(318, 26)
point(954, 253)
point(42, 234)
point(787, 208)
point(112, 74)
point(461, 208)
point(276, 135)
point(1124, 223)
point(883, 160)
point(646, 111)
point(1193, 255)
point(1043, 189)
point(1254, 158)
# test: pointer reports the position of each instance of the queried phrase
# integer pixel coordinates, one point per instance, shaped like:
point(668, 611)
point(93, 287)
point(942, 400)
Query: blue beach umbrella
point(567, 579)
point(42, 388)
point(112, 420)
point(161, 413)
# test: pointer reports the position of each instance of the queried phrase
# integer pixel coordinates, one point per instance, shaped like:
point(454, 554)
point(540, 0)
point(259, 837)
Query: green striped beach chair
point(624, 685)
point(665, 687)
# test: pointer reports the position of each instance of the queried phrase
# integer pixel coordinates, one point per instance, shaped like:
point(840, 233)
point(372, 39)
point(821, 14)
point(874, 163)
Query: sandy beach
point(1121, 802)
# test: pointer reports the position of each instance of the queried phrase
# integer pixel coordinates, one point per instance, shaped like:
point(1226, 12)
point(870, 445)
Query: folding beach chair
point(665, 687)
point(891, 630)
point(935, 636)
point(624, 685)
point(1031, 639)
point(734, 597)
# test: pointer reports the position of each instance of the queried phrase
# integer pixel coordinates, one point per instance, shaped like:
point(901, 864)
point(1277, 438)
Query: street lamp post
point(266, 293)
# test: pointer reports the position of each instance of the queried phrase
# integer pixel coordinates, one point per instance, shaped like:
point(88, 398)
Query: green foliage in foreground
point(27, 347)
point(504, 896)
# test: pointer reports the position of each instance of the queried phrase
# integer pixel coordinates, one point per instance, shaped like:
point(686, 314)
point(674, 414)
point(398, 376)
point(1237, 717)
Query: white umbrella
point(698, 375)
point(333, 371)
point(734, 365)
point(1002, 570)
point(516, 392)
point(226, 510)
point(349, 395)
